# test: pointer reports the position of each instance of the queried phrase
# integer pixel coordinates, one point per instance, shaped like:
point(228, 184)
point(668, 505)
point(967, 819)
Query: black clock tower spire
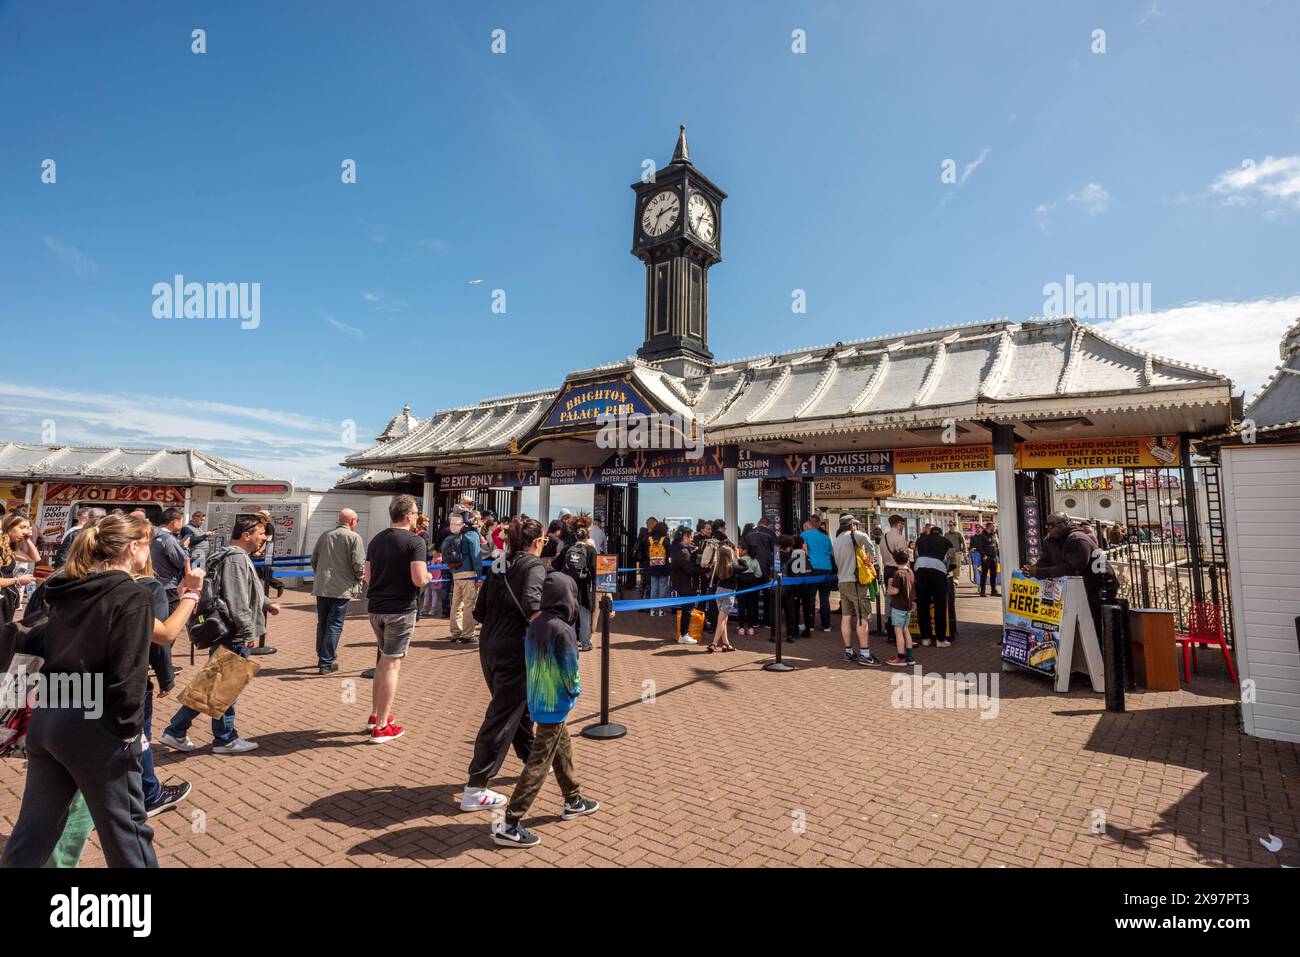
point(677, 233)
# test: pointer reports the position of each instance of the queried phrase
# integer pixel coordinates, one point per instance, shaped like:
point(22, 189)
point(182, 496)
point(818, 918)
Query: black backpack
point(453, 557)
point(210, 624)
point(575, 562)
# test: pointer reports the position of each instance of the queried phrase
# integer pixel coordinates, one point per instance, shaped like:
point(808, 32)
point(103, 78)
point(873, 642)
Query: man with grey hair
point(338, 564)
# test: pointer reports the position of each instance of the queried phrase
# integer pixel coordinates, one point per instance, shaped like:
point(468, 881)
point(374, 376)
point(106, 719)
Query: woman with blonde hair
point(15, 546)
point(96, 637)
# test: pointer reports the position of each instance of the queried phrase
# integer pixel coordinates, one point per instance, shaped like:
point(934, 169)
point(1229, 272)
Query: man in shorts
point(855, 599)
point(397, 567)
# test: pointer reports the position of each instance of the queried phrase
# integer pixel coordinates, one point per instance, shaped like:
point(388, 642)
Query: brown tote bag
point(219, 682)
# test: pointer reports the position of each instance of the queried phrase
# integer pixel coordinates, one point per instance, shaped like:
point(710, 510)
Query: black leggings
point(507, 720)
point(67, 753)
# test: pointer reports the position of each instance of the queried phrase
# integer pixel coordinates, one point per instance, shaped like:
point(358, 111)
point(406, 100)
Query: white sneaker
point(238, 746)
point(481, 799)
point(943, 644)
point(179, 744)
point(926, 642)
point(687, 640)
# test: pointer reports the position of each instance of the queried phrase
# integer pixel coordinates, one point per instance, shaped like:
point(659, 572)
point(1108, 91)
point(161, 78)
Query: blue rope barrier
point(637, 604)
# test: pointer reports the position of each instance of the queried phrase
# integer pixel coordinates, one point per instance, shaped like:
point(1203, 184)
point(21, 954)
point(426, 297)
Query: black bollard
point(952, 607)
point(606, 730)
point(261, 647)
point(778, 664)
point(1112, 656)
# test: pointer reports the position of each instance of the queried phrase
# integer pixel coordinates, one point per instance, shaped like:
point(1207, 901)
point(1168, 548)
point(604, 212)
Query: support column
point(516, 498)
point(1004, 471)
point(730, 490)
point(431, 498)
point(544, 491)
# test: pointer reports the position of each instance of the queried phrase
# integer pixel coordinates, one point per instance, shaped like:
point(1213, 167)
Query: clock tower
point(677, 233)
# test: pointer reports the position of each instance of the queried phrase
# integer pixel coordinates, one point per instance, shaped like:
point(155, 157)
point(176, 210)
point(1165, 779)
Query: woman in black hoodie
point(97, 637)
point(506, 604)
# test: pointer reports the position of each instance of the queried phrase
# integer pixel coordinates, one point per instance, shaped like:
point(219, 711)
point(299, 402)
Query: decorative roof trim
point(147, 466)
point(873, 385)
point(932, 374)
point(989, 327)
point(506, 421)
point(1073, 356)
point(774, 390)
point(742, 385)
point(997, 373)
point(827, 377)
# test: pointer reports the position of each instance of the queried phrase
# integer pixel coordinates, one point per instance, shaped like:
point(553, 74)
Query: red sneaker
point(374, 720)
point(385, 734)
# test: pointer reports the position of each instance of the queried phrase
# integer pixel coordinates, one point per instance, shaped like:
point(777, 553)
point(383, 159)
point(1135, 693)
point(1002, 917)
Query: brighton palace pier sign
point(679, 466)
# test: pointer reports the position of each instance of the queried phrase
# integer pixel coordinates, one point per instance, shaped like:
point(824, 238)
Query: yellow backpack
point(866, 568)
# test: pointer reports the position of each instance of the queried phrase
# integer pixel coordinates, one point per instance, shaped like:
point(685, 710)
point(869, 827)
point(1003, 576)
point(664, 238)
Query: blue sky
point(513, 168)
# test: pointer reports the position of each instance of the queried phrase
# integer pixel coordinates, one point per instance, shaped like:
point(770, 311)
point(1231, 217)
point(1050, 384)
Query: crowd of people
point(685, 563)
point(125, 589)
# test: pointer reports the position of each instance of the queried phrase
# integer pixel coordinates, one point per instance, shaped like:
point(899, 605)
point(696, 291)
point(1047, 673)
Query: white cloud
point(1274, 179)
point(343, 327)
point(1092, 197)
point(973, 166)
point(1239, 339)
point(383, 303)
point(1152, 12)
point(1043, 212)
point(306, 449)
point(71, 256)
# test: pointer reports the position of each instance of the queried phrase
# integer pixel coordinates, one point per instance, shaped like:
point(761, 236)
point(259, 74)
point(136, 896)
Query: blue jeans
point(659, 586)
point(152, 786)
point(223, 728)
point(330, 613)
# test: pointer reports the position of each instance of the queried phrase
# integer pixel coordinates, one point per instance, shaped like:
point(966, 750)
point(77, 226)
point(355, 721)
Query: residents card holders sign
point(1047, 629)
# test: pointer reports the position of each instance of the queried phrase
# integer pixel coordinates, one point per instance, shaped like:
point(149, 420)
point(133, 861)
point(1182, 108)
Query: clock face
point(660, 214)
point(700, 215)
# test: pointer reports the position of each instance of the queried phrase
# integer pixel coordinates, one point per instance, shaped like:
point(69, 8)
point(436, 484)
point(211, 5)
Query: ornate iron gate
point(1173, 550)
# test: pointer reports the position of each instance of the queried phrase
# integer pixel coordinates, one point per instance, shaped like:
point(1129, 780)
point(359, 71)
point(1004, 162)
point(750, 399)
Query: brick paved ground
point(730, 764)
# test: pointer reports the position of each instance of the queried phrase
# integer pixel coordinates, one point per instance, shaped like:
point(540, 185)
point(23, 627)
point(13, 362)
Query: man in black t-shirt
point(397, 567)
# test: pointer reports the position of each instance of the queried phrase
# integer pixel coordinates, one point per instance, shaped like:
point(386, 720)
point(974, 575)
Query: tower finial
point(681, 154)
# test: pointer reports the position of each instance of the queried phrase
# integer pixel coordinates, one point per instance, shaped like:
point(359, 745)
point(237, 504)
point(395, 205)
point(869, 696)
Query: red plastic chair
point(1204, 627)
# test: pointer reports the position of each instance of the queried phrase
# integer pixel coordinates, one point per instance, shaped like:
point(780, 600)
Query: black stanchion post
point(880, 614)
point(1112, 654)
point(268, 571)
point(1126, 645)
point(952, 606)
point(606, 730)
point(777, 614)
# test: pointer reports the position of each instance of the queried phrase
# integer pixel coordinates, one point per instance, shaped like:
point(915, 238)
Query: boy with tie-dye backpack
point(551, 661)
